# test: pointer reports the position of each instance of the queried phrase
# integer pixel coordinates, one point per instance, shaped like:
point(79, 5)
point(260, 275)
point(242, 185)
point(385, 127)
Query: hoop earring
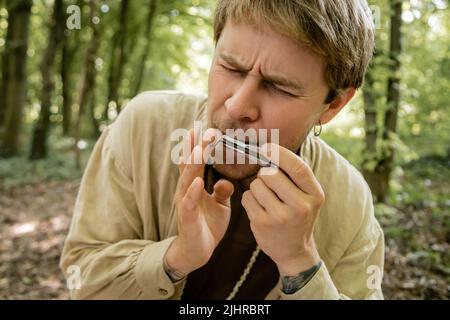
point(318, 132)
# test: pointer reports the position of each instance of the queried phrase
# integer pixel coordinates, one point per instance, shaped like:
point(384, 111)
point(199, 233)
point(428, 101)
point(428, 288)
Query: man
point(145, 227)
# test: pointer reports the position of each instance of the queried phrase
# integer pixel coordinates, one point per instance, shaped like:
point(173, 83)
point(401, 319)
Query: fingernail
point(268, 171)
point(197, 182)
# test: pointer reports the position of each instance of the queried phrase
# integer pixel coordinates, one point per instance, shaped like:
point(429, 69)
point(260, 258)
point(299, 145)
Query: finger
point(198, 157)
point(207, 142)
point(294, 166)
point(187, 146)
point(282, 186)
point(194, 168)
point(223, 190)
point(194, 165)
point(211, 136)
point(266, 197)
point(191, 201)
point(255, 211)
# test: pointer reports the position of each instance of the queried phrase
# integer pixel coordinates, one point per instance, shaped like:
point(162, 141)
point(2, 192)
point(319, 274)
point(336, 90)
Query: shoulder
point(348, 207)
point(163, 105)
point(334, 170)
point(148, 119)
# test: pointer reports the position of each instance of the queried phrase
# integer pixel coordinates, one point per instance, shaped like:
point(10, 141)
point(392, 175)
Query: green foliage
point(181, 29)
point(19, 171)
point(426, 76)
point(424, 124)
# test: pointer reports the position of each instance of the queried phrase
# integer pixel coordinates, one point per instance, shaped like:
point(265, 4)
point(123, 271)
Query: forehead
point(253, 38)
point(272, 51)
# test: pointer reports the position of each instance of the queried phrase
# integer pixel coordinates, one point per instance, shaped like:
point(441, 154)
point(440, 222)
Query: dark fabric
point(218, 277)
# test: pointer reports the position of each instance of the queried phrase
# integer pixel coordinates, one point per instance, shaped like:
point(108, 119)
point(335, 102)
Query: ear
point(337, 104)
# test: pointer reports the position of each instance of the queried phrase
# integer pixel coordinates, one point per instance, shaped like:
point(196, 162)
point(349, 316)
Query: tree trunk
point(13, 86)
point(88, 80)
point(393, 98)
point(371, 154)
point(116, 70)
point(144, 56)
point(65, 82)
point(56, 34)
point(94, 122)
point(70, 46)
point(111, 79)
point(68, 54)
point(2, 5)
point(379, 177)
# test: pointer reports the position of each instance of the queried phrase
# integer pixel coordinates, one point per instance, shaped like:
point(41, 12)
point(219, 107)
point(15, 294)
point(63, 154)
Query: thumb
point(223, 189)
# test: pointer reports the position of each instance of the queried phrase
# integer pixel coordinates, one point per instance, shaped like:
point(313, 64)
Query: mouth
point(249, 151)
point(237, 134)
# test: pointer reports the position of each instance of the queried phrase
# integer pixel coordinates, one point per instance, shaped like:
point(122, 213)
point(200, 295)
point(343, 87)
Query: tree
point(145, 52)
point(393, 95)
point(70, 45)
point(94, 122)
point(88, 78)
point(66, 59)
point(371, 127)
point(13, 86)
point(56, 35)
point(381, 149)
point(117, 60)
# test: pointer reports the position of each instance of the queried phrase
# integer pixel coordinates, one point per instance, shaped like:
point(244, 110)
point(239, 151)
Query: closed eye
point(272, 86)
point(268, 84)
point(231, 69)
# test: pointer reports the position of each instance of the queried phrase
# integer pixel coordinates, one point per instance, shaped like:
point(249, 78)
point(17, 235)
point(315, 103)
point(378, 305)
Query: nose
point(242, 105)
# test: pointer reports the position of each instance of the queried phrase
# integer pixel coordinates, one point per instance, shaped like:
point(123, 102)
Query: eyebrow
point(276, 78)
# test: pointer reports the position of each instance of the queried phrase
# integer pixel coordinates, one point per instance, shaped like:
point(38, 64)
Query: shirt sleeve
point(357, 275)
point(105, 238)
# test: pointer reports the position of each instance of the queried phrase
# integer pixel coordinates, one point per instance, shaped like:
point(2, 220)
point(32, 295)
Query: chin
point(237, 171)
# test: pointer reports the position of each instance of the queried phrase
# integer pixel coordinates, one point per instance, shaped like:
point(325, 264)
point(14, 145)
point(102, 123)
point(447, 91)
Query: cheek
point(217, 86)
point(293, 123)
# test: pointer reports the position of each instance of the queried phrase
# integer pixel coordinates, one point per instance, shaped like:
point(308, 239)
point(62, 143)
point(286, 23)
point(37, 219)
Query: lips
point(241, 137)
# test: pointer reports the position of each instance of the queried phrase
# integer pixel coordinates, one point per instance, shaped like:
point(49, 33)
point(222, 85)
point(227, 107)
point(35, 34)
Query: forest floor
point(35, 217)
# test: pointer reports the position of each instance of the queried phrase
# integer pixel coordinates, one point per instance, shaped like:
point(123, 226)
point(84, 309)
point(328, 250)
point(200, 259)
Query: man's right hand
point(202, 217)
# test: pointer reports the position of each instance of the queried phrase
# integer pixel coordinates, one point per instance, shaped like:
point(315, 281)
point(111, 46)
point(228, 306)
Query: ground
point(35, 217)
point(34, 220)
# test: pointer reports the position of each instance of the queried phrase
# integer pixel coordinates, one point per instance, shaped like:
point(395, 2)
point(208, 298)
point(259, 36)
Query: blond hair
point(340, 31)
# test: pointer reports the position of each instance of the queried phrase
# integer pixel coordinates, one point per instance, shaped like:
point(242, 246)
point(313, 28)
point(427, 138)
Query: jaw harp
point(249, 150)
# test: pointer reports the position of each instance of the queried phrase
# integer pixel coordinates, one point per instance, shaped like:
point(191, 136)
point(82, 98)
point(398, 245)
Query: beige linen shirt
point(124, 218)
